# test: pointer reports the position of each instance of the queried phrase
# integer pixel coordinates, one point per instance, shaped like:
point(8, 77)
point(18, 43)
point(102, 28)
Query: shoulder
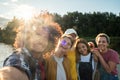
point(113, 52)
point(14, 58)
point(114, 56)
point(18, 61)
point(50, 59)
point(66, 60)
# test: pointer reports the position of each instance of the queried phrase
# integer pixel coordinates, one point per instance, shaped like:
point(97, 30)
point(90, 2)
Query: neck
point(104, 51)
point(37, 55)
point(85, 54)
point(58, 54)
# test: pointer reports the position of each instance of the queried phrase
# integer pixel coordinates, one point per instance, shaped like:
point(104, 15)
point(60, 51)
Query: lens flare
point(63, 42)
point(24, 11)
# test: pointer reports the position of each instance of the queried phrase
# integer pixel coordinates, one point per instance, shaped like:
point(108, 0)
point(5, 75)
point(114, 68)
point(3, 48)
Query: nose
point(100, 42)
point(66, 46)
point(82, 49)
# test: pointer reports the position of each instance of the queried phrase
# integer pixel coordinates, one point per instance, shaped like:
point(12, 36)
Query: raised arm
point(12, 73)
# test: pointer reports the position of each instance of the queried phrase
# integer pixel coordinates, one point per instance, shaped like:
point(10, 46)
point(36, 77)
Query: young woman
point(31, 43)
point(58, 65)
point(85, 60)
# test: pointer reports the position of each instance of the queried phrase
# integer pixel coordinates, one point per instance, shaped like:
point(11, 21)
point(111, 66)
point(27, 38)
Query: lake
point(5, 51)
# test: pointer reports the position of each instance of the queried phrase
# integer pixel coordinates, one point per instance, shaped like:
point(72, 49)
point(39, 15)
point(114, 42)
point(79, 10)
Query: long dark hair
point(80, 40)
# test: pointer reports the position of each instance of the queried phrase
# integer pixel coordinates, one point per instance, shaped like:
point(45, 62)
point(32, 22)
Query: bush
point(115, 43)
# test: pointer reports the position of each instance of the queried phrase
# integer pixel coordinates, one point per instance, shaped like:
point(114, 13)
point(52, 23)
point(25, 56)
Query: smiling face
point(38, 40)
point(64, 45)
point(82, 48)
point(102, 44)
point(40, 35)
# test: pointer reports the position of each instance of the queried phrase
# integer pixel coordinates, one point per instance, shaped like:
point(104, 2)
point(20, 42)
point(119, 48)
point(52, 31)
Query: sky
point(25, 8)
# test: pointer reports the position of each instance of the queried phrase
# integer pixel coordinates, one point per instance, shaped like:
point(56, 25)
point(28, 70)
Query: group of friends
point(44, 52)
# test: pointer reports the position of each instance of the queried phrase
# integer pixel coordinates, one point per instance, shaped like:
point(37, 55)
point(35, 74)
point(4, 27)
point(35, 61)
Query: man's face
point(73, 36)
point(102, 43)
point(38, 41)
point(64, 45)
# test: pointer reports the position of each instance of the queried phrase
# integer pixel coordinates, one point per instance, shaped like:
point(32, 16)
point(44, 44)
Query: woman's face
point(38, 40)
point(82, 48)
point(64, 44)
point(102, 43)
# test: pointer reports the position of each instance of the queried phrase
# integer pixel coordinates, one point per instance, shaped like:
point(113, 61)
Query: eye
point(99, 41)
point(83, 46)
point(104, 41)
point(63, 42)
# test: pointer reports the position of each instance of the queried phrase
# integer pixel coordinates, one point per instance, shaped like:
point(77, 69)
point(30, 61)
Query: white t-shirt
point(60, 69)
point(87, 59)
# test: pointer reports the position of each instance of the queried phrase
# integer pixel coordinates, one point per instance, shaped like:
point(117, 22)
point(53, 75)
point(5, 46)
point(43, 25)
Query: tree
point(9, 33)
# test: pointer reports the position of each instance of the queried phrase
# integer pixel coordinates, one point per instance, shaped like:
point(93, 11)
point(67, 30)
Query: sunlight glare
point(26, 12)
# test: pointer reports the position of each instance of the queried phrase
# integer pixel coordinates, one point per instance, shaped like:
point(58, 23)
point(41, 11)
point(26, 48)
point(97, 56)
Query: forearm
point(12, 73)
point(104, 64)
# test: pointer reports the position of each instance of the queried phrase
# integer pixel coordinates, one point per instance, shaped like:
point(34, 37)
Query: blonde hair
point(103, 35)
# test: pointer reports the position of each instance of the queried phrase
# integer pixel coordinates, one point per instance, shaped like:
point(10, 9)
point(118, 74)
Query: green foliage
point(8, 34)
point(90, 24)
point(86, 25)
point(115, 43)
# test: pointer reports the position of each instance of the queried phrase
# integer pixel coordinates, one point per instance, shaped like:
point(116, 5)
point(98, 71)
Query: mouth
point(64, 48)
point(38, 45)
point(101, 48)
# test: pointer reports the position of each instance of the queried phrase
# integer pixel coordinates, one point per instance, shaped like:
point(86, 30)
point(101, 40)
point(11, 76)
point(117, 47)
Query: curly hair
point(103, 35)
point(43, 20)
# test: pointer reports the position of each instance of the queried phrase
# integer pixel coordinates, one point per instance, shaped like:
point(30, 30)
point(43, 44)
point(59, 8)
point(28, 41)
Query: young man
point(108, 58)
point(58, 65)
point(71, 53)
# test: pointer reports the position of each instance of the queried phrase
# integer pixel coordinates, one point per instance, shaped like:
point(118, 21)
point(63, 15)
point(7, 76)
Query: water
point(6, 50)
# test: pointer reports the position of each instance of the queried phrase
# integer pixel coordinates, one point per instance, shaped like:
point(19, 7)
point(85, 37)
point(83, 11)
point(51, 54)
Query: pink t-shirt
point(112, 55)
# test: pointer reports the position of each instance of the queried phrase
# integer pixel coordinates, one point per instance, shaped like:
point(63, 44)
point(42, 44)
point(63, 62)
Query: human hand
point(96, 52)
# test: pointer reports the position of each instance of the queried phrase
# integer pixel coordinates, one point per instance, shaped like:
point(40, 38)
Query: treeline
point(86, 25)
point(90, 24)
